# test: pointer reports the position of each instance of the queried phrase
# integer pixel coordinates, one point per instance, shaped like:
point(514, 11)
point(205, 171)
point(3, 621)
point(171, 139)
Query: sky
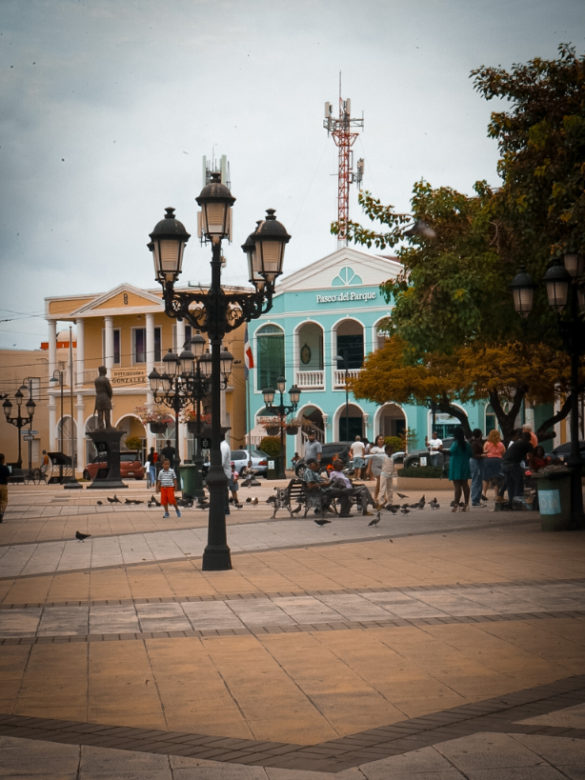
point(108, 107)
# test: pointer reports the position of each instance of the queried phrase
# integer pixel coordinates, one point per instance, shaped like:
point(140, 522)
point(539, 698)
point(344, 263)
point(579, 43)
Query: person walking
point(512, 468)
point(152, 459)
point(313, 448)
point(385, 494)
point(459, 472)
point(356, 453)
point(165, 484)
point(493, 449)
point(4, 474)
point(476, 467)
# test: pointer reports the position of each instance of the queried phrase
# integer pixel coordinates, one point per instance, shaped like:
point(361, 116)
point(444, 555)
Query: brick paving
point(435, 645)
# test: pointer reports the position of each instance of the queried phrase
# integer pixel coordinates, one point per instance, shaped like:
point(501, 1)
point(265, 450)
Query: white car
point(240, 459)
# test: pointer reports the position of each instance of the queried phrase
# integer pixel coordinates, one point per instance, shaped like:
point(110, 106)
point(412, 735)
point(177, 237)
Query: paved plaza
point(433, 645)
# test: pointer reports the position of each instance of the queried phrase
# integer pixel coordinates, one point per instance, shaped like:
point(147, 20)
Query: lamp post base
point(216, 558)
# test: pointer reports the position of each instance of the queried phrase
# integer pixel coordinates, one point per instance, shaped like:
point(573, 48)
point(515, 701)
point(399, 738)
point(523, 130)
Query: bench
point(295, 497)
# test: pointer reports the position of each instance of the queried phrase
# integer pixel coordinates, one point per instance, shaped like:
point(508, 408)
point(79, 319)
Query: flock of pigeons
point(394, 508)
point(202, 503)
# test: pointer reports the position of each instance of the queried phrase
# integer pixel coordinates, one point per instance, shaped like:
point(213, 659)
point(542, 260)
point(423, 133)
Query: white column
point(52, 347)
point(80, 352)
point(52, 446)
point(149, 343)
point(180, 335)
point(109, 356)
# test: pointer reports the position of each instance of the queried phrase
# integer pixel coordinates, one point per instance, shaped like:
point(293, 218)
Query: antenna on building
point(214, 166)
point(210, 167)
point(344, 137)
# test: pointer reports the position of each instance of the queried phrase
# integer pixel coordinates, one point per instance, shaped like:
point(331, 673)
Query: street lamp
point(282, 410)
point(58, 377)
point(345, 365)
point(185, 381)
point(217, 312)
point(18, 420)
point(565, 291)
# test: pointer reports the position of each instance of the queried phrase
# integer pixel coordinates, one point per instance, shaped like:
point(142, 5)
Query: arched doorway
point(391, 421)
point(349, 422)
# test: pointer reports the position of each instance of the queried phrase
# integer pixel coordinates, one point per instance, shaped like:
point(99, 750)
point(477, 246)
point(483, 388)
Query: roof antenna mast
point(341, 130)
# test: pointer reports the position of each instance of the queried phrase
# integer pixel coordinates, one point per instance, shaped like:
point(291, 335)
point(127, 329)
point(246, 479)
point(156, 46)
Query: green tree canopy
point(455, 335)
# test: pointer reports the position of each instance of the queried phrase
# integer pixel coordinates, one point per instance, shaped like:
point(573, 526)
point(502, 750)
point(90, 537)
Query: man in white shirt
point(356, 453)
point(435, 445)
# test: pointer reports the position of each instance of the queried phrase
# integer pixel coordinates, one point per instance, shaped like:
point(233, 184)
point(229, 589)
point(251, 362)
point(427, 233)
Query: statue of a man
point(103, 399)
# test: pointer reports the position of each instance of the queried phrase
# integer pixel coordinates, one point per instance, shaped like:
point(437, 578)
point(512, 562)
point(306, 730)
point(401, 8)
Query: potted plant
point(271, 424)
point(156, 420)
point(189, 416)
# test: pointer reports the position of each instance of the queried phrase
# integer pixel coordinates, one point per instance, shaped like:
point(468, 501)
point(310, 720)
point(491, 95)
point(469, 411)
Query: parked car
point(413, 459)
point(333, 449)
point(563, 451)
point(131, 466)
point(240, 459)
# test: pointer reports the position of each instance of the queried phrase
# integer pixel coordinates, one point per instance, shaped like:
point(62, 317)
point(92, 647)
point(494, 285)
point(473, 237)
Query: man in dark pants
point(512, 468)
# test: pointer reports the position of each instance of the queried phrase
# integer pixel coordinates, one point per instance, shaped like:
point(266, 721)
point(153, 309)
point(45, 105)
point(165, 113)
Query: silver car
point(240, 459)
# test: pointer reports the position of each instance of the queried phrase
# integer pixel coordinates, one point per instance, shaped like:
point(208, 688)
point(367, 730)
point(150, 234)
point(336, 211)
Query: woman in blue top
point(459, 472)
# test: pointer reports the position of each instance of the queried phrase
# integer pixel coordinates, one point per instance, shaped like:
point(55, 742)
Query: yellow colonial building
point(127, 331)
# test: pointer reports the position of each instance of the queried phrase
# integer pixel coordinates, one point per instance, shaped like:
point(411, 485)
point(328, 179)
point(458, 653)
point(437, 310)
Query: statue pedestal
point(108, 442)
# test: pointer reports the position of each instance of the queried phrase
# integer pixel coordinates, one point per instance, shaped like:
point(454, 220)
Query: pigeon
point(376, 519)
point(248, 500)
point(421, 503)
point(322, 520)
point(401, 495)
point(99, 503)
point(271, 499)
point(137, 501)
point(128, 501)
point(297, 509)
point(116, 499)
point(434, 504)
point(80, 537)
point(393, 508)
point(255, 500)
point(153, 501)
point(405, 510)
point(110, 500)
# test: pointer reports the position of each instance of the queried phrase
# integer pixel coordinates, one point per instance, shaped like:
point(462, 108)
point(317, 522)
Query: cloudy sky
point(109, 106)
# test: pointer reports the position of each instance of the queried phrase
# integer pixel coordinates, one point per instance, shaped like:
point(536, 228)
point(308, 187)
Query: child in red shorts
point(166, 482)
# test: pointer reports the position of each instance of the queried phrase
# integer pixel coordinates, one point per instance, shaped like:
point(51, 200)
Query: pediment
point(346, 267)
point(120, 300)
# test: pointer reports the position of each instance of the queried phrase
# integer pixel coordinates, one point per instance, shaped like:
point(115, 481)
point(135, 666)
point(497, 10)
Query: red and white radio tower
point(344, 138)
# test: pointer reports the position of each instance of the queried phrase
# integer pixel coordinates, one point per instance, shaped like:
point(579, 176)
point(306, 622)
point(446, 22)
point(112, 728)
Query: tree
point(452, 307)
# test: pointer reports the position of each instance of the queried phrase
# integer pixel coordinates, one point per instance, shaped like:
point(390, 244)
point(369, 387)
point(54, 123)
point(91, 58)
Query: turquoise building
point(323, 323)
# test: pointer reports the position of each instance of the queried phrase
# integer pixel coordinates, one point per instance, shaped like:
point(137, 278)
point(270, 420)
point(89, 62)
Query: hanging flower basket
point(272, 430)
point(292, 430)
point(192, 426)
point(157, 427)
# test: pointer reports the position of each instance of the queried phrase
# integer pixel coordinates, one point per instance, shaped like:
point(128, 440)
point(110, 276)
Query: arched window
point(270, 351)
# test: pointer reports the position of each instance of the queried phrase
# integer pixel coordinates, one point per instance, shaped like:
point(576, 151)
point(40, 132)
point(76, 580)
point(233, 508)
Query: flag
point(248, 356)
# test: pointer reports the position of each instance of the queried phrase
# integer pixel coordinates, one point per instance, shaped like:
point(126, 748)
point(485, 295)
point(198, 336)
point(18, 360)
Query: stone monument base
point(108, 442)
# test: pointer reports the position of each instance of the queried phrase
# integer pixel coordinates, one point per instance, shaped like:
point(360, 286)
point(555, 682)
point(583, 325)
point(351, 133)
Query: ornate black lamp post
point(565, 288)
point(282, 410)
point(217, 312)
point(18, 420)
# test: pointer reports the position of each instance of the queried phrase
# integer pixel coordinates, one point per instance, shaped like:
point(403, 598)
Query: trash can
point(191, 480)
point(554, 498)
point(273, 469)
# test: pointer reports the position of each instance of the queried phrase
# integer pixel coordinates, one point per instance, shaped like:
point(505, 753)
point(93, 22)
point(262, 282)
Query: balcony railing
point(310, 380)
point(339, 376)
